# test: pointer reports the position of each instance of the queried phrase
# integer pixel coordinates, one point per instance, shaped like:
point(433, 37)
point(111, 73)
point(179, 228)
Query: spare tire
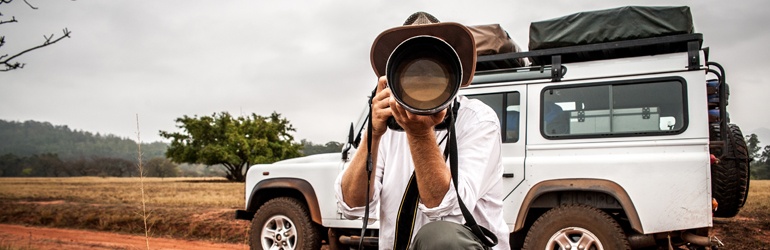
point(730, 177)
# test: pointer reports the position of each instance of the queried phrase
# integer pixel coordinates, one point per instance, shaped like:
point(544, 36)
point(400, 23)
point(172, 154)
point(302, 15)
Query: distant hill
point(37, 138)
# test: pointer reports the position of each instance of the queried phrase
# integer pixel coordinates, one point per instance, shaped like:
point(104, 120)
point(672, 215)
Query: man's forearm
point(430, 169)
point(354, 180)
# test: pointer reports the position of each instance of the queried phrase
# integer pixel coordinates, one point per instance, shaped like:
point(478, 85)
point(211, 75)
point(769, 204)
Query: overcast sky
point(308, 60)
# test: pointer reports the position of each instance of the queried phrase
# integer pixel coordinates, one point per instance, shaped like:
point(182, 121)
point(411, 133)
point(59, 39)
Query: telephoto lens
point(426, 63)
point(424, 74)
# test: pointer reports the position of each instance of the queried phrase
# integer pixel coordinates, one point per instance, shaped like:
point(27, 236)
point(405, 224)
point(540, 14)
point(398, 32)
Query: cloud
point(306, 60)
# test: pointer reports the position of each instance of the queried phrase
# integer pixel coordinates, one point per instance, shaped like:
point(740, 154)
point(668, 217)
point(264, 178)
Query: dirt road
point(40, 238)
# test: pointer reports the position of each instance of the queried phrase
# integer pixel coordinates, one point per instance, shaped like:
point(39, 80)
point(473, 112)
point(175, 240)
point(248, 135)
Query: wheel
point(283, 223)
point(730, 177)
point(575, 226)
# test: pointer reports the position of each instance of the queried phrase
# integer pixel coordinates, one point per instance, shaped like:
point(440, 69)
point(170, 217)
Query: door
point(507, 102)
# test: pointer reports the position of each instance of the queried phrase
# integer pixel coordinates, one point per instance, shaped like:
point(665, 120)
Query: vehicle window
point(507, 107)
point(620, 109)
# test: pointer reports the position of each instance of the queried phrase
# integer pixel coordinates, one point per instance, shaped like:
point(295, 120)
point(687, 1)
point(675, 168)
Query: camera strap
point(369, 168)
point(483, 234)
point(409, 201)
point(407, 211)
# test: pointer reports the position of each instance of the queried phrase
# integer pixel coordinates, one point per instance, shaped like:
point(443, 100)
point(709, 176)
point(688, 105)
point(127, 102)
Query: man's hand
point(430, 169)
point(381, 108)
point(415, 125)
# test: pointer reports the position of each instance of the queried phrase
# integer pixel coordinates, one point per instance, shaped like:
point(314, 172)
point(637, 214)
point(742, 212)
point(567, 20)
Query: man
point(418, 150)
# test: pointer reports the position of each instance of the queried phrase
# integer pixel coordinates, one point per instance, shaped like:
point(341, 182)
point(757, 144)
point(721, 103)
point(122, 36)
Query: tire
point(730, 177)
point(284, 223)
point(573, 226)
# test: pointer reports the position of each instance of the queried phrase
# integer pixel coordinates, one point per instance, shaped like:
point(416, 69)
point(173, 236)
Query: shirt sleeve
point(357, 212)
point(447, 207)
point(479, 162)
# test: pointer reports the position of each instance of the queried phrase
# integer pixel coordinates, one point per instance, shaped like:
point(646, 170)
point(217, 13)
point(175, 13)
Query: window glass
point(507, 107)
point(494, 101)
point(614, 109)
point(512, 114)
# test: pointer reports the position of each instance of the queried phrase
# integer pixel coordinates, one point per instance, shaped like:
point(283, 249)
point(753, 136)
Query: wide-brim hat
point(456, 35)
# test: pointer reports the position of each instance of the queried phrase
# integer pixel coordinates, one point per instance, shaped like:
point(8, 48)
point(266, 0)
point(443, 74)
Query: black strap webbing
point(409, 201)
point(406, 214)
point(369, 168)
point(487, 237)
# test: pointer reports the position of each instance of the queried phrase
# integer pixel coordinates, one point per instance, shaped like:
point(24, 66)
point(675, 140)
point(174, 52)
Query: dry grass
point(193, 208)
point(166, 192)
point(758, 202)
point(202, 208)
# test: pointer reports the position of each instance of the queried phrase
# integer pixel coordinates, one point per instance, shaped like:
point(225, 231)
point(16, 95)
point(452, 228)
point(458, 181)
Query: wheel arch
point(283, 187)
point(582, 186)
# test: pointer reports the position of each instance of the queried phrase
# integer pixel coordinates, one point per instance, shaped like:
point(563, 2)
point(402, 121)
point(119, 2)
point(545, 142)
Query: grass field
point(191, 208)
point(198, 208)
point(166, 192)
point(758, 202)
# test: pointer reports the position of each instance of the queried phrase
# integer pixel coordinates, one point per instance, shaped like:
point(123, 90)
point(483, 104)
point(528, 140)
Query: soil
point(40, 238)
point(743, 232)
point(737, 233)
point(749, 230)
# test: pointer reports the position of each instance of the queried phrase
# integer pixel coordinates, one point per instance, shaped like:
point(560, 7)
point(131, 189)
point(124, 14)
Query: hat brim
point(455, 34)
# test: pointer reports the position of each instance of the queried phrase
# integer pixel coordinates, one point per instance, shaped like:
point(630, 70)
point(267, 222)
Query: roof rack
point(554, 57)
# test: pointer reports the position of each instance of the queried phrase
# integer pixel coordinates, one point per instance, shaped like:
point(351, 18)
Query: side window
point(620, 109)
point(506, 105)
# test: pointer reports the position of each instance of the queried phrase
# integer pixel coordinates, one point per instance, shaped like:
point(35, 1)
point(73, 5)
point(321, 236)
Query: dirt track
point(65, 239)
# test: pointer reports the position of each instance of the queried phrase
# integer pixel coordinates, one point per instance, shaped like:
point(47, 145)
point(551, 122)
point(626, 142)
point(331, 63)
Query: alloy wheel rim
point(279, 233)
point(574, 238)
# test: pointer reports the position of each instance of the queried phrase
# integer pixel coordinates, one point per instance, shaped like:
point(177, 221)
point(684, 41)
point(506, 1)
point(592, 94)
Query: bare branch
point(30, 5)
point(13, 20)
point(15, 65)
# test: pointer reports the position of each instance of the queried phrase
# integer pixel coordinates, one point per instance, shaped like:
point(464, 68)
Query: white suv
point(619, 151)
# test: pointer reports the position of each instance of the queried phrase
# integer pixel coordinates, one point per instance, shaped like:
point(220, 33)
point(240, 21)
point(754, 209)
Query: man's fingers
point(439, 117)
point(382, 83)
point(398, 111)
point(381, 99)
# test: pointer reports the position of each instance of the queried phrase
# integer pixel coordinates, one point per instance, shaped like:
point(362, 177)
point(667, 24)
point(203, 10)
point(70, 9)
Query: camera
point(425, 64)
point(424, 74)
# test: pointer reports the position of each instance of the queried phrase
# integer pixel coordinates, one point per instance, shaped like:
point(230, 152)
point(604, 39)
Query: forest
point(41, 149)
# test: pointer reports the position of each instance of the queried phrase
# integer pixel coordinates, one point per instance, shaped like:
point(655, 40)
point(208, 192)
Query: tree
point(48, 165)
point(760, 161)
point(82, 167)
point(161, 167)
point(235, 143)
point(752, 142)
point(760, 168)
point(9, 165)
point(308, 148)
point(117, 167)
point(29, 138)
point(7, 63)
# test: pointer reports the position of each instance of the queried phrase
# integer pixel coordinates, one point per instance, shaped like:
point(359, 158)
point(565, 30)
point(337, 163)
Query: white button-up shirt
point(480, 173)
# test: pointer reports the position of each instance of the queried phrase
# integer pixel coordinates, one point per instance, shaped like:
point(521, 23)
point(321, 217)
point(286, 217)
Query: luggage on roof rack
point(690, 43)
point(611, 25)
point(492, 39)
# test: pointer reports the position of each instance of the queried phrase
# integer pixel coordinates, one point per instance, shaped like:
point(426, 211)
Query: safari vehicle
point(618, 144)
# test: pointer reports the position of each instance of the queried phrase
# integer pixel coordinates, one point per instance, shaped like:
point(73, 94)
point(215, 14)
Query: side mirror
point(350, 136)
point(351, 143)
